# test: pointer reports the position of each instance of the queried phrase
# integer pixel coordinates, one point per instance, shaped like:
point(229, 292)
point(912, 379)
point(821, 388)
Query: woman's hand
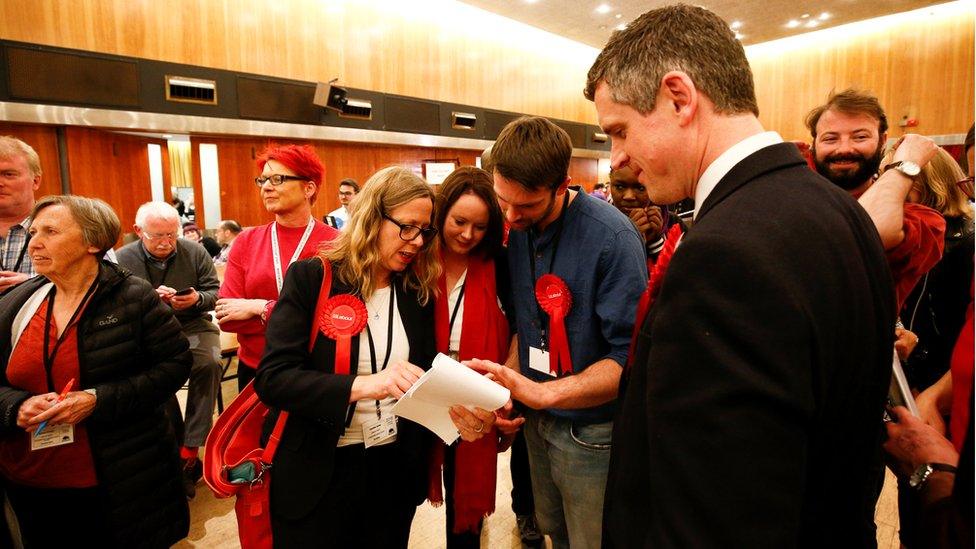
point(905, 342)
point(472, 425)
point(928, 408)
point(32, 407)
point(77, 406)
point(393, 382)
point(238, 309)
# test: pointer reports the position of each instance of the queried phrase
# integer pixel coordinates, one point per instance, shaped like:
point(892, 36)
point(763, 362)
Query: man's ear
point(564, 185)
point(680, 95)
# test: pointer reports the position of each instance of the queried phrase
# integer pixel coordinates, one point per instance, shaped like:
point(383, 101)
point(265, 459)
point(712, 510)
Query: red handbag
point(234, 464)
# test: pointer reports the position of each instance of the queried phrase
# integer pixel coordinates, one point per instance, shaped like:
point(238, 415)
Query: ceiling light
point(793, 23)
point(602, 8)
point(824, 16)
point(621, 26)
point(736, 25)
point(167, 136)
point(804, 16)
point(812, 23)
point(739, 35)
point(531, 1)
point(618, 16)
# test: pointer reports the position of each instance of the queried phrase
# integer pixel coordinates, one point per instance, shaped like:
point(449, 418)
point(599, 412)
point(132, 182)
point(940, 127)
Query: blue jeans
point(569, 463)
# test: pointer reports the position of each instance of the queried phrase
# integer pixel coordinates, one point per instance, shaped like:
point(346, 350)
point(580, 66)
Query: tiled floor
point(213, 524)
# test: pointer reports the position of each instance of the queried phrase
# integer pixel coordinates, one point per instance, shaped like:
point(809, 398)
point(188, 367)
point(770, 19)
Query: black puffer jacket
point(131, 350)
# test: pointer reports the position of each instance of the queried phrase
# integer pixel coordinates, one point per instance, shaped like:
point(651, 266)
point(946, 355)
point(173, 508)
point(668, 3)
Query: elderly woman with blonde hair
point(347, 472)
point(89, 357)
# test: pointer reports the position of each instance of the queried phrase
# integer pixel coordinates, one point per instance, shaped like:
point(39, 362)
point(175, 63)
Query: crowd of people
point(718, 381)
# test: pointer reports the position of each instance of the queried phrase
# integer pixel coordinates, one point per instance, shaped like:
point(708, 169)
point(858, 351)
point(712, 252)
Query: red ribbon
point(343, 316)
point(554, 297)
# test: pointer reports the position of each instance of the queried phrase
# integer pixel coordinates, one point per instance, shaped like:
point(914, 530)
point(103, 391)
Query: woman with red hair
point(290, 179)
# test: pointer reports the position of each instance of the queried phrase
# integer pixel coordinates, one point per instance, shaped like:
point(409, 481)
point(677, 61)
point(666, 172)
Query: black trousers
point(245, 374)
point(363, 506)
point(522, 500)
point(465, 540)
point(53, 517)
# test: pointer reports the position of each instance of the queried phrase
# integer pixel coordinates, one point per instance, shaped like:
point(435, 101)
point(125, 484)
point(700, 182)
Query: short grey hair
point(100, 227)
point(157, 209)
point(678, 37)
point(11, 147)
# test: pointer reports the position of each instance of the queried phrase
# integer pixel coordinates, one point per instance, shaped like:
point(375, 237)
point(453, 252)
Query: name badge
point(376, 431)
point(53, 435)
point(539, 361)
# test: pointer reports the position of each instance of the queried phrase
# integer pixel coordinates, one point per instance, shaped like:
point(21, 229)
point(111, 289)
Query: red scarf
point(484, 335)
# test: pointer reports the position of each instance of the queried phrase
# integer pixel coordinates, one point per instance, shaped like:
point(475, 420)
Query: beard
point(849, 179)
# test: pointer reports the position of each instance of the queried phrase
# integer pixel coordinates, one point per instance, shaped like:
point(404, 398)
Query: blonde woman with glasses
point(347, 473)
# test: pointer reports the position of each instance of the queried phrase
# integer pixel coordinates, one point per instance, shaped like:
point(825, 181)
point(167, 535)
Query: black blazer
point(752, 416)
point(291, 379)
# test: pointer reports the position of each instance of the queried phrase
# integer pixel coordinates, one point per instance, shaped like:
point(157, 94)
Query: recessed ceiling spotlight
point(619, 15)
point(792, 24)
point(739, 35)
point(805, 16)
point(736, 25)
point(602, 8)
point(824, 16)
point(621, 26)
point(531, 1)
point(813, 23)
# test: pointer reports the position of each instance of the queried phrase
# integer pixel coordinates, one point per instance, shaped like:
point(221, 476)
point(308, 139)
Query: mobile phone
point(185, 291)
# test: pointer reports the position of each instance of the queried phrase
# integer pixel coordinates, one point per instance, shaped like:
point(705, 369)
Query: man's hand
point(180, 302)
point(507, 426)
point(928, 409)
point(916, 148)
point(905, 342)
point(912, 443)
point(533, 394)
point(11, 278)
point(238, 309)
point(165, 293)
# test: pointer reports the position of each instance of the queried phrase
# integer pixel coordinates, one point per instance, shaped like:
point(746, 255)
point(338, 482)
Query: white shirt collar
point(728, 160)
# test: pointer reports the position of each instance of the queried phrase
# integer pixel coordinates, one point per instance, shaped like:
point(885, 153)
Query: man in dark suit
point(751, 413)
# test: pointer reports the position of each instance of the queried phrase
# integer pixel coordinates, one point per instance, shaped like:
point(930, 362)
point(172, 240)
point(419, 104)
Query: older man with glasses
point(183, 275)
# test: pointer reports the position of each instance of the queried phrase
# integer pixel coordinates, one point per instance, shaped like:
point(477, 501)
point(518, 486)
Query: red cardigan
point(250, 275)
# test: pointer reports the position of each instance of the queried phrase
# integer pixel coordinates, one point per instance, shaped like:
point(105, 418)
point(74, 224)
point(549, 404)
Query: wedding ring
point(480, 427)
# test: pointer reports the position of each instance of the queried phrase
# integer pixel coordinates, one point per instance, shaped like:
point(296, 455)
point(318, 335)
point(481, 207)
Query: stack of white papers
point(448, 383)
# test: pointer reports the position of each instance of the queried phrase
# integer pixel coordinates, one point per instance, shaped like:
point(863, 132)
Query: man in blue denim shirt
point(560, 230)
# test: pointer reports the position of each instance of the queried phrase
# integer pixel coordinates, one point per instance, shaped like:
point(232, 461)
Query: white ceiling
point(761, 20)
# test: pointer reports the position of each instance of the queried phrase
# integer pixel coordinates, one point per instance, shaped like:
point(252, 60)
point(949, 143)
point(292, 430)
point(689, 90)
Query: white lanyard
point(276, 253)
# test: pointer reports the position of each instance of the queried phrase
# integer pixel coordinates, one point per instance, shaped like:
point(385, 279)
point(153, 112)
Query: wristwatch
point(918, 478)
point(906, 167)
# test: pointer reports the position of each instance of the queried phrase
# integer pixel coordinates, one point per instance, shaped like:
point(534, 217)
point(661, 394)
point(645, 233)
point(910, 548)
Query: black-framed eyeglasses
point(410, 232)
point(276, 179)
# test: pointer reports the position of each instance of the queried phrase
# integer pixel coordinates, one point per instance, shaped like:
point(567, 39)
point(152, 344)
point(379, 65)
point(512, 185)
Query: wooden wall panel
point(446, 51)
point(240, 198)
point(922, 67)
point(110, 166)
point(44, 140)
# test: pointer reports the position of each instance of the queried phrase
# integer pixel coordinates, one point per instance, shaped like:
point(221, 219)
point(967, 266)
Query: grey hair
point(160, 210)
point(11, 147)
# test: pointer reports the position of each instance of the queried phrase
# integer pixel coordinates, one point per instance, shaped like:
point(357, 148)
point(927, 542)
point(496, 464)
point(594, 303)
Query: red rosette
point(343, 316)
point(555, 299)
point(553, 295)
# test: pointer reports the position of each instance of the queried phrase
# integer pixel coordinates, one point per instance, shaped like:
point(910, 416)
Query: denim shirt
point(601, 258)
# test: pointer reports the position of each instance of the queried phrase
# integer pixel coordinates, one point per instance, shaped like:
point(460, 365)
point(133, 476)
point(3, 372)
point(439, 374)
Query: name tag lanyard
point(51, 354)
point(372, 352)
point(457, 307)
point(560, 221)
point(276, 252)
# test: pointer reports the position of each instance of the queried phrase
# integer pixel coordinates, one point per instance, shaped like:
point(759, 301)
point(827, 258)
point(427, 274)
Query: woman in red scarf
point(469, 323)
